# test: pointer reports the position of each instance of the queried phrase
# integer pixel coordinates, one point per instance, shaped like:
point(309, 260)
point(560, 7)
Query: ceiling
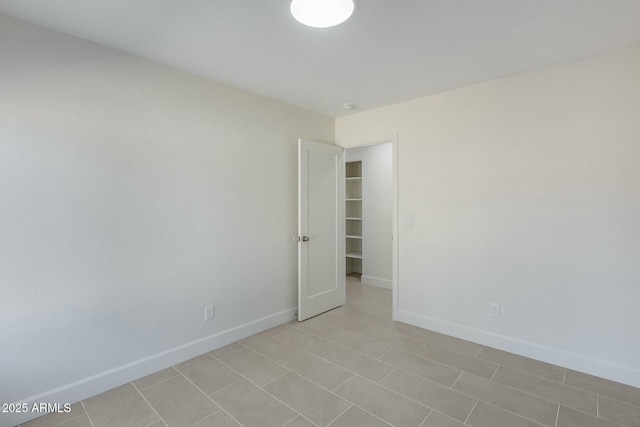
point(389, 50)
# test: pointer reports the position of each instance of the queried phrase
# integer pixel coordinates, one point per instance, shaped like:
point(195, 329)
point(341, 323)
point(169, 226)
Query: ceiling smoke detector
point(321, 13)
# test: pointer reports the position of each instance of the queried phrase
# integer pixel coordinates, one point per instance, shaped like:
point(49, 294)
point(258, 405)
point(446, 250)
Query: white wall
point(131, 195)
point(525, 192)
point(377, 204)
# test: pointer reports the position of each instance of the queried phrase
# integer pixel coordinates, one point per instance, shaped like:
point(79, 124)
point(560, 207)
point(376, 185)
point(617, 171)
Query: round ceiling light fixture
point(321, 13)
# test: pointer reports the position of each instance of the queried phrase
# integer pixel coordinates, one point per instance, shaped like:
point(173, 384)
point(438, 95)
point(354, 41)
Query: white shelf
point(353, 213)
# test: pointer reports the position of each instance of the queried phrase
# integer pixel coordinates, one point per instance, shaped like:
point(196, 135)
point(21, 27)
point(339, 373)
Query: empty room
point(345, 213)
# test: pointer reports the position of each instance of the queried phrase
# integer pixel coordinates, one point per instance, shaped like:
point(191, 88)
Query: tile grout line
point(494, 373)
point(432, 361)
point(395, 368)
point(518, 390)
point(535, 375)
point(454, 383)
point(515, 413)
point(339, 415)
point(383, 355)
point(425, 418)
point(425, 341)
point(364, 410)
point(318, 385)
point(295, 418)
point(300, 348)
point(149, 403)
point(450, 417)
point(233, 352)
point(564, 377)
point(592, 416)
point(557, 416)
point(597, 393)
point(400, 394)
point(85, 411)
point(356, 374)
point(471, 412)
point(264, 391)
point(210, 398)
point(150, 424)
point(412, 336)
point(420, 348)
point(385, 377)
point(430, 381)
point(329, 361)
point(598, 405)
point(617, 400)
point(341, 384)
point(226, 387)
point(555, 383)
point(322, 359)
point(358, 351)
point(393, 332)
point(59, 424)
point(393, 347)
point(349, 370)
point(158, 383)
point(208, 416)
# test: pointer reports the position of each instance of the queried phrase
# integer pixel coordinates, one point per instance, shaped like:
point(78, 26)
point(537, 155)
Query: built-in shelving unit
point(353, 209)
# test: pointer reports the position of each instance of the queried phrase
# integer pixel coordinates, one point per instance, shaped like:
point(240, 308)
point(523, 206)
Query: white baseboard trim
point(600, 368)
point(375, 281)
point(99, 383)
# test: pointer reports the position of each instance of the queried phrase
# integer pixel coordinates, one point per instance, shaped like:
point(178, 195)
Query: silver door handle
point(303, 239)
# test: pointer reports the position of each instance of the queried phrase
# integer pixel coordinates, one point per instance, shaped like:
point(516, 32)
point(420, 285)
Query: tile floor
point(354, 367)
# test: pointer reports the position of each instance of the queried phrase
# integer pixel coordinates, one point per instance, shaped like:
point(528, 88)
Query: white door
point(320, 228)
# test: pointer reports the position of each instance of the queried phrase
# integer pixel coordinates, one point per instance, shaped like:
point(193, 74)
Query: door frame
point(394, 215)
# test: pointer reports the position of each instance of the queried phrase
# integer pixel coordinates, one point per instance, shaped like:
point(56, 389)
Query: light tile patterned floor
point(355, 367)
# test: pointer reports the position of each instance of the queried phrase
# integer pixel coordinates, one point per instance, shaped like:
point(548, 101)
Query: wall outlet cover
point(209, 312)
point(406, 219)
point(495, 310)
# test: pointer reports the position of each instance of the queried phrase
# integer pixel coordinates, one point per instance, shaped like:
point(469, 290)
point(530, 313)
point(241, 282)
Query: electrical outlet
point(209, 312)
point(406, 219)
point(495, 310)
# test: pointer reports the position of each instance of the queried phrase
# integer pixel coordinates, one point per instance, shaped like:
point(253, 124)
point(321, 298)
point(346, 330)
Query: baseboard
point(600, 368)
point(375, 281)
point(80, 390)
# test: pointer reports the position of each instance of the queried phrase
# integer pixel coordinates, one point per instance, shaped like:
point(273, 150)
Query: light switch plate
point(406, 219)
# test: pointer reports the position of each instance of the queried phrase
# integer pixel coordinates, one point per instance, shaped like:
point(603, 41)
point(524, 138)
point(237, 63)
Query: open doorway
point(369, 219)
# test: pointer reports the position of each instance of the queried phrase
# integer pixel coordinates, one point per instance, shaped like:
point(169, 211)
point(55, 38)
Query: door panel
point(320, 228)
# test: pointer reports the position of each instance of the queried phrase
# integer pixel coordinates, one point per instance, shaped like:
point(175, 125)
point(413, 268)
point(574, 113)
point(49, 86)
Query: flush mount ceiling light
point(321, 13)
